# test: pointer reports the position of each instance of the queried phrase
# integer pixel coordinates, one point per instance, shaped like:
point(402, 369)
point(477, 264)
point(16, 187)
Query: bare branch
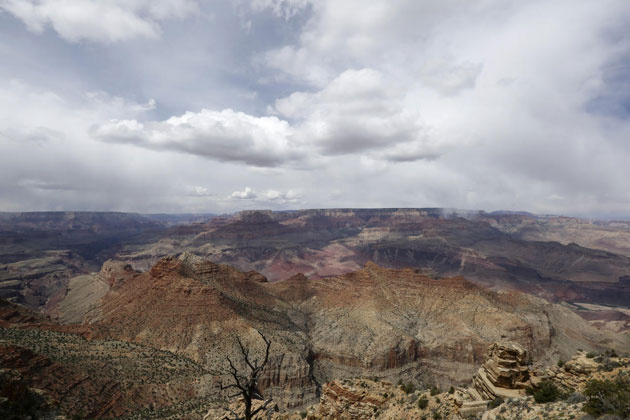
point(245, 353)
point(230, 386)
point(247, 386)
point(237, 378)
point(268, 343)
point(262, 407)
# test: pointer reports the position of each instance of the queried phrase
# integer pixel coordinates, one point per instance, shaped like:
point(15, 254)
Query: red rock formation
point(373, 321)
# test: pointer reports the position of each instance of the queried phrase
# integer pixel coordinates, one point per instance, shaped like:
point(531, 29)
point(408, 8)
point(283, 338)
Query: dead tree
point(245, 384)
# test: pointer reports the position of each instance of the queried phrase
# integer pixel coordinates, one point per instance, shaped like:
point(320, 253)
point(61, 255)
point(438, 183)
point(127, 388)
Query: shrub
point(451, 390)
point(435, 390)
point(591, 354)
point(611, 353)
point(423, 403)
point(560, 363)
point(495, 403)
point(608, 365)
point(607, 397)
point(408, 388)
point(548, 392)
point(575, 398)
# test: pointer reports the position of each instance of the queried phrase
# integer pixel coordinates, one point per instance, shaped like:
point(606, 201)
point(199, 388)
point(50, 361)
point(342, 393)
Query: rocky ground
point(363, 399)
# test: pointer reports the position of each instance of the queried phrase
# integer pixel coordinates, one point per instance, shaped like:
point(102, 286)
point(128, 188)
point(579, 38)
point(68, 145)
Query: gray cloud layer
point(180, 105)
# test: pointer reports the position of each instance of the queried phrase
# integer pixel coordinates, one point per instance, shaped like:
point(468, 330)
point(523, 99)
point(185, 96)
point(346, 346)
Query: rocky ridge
point(376, 321)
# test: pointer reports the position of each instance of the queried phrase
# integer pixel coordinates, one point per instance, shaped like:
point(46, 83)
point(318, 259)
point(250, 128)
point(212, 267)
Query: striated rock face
point(372, 322)
point(505, 373)
point(500, 251)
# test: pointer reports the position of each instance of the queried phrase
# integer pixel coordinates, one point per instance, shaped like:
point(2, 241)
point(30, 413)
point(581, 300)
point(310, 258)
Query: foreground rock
point(504, 374)
point(363, 399)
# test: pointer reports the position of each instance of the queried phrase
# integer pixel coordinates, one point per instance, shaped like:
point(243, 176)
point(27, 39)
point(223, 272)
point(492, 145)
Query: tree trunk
point(248, 409)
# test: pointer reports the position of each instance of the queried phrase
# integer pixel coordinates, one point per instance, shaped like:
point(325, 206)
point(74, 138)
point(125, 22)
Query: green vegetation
point(408, 388)
point(123, 361)
point(134, 368)
point(423, 403)
point(607, 397)
point(495, 403)
point(548, 392)
point(435, 390)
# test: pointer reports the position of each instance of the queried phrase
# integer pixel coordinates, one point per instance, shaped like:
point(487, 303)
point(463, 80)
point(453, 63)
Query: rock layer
point(376, 321)
point(505, 373)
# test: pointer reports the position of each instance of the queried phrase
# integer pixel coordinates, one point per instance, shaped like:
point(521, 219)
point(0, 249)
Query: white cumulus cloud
point(221, 135)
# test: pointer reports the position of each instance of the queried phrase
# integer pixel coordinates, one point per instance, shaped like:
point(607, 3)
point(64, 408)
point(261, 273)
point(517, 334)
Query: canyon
point(141, 312)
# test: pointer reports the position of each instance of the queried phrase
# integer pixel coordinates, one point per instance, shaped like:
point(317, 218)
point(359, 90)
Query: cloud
point(290, 196)
point(246, 194)
point(198, 191)
point(98, 21)
point(222, 135)
point(270, 196)
point(357, 112)
point(29, 134)
point(285, 9)
point(449, 77)
point(487, 104)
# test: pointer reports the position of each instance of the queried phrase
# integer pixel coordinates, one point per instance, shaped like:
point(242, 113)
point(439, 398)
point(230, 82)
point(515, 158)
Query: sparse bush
point(495, 403)
point(548, 392)
point(423, 403)
point(608, 365)
point(611, 353)
point(560, 363)
point(408, 388)
point(435, 390)
point(576, 398)
point(451, 390)
point(591, 354)
point(607, 397)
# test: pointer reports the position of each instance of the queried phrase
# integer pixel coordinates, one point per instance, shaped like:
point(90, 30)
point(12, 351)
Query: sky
point(217, 106)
